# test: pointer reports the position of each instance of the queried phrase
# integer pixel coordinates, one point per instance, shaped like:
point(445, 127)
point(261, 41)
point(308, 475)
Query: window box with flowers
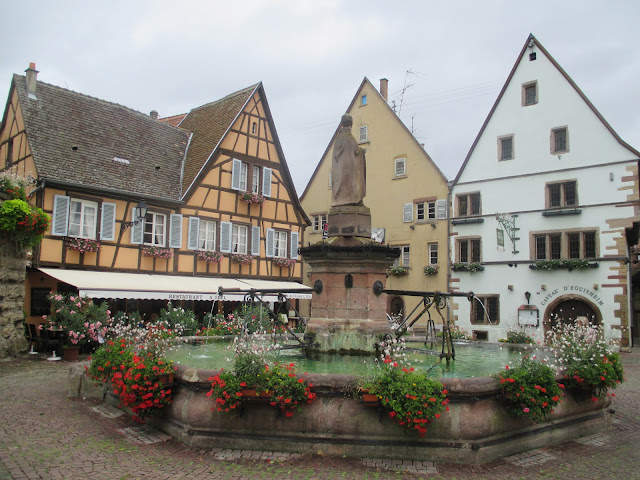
point(431, 270)
point(252, 198)
point(209, 256)
point(397, 271)
point(284, 262)
point(157, 252)
point(82, 245)
point(570, 265)
point(467, 267)
point(241, 258)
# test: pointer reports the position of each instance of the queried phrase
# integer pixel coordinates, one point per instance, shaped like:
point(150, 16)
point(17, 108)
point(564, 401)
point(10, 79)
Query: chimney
point(32, 77)
point(384, 89)
point(154, 114)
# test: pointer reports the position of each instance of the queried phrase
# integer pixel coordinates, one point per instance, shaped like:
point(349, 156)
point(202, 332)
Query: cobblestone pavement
point(45, 435)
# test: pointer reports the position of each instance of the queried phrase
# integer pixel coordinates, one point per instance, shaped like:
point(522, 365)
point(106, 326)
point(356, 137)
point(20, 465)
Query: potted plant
point(252, 198)
point(283, 262)
point(23, 222)
point(158, 252)
point(398, 271)
point(530, 390)
point(82, 245)
point(430, 270)
point(242, 259)
point(79, 319)
point(209, 256)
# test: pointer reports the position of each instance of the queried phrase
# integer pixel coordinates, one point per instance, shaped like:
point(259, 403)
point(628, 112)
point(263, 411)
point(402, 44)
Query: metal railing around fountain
point(439, 301)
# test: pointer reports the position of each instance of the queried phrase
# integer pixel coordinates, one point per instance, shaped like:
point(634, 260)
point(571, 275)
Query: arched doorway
point(567, 308)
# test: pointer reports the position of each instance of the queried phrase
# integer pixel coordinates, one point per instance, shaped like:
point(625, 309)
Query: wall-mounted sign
point(528, 315)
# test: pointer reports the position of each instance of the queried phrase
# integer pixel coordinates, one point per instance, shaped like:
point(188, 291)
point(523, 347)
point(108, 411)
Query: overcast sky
point(450, 58)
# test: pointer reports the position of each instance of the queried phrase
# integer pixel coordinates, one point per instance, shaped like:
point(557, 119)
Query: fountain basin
point(476, 430)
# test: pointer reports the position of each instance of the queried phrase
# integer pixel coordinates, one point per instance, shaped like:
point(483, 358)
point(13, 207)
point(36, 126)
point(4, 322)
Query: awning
point(96, 284)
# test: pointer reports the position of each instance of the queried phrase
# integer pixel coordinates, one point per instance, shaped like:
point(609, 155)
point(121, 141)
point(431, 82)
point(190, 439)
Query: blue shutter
point(175, 230)
point(194, 229)
point(255, 241)
point(137, 230)
point(108, 222)
point(60, 221)
point(235, 174)
point(225, 237)
point(294, 245)
point(270, 242)
point(266, 182)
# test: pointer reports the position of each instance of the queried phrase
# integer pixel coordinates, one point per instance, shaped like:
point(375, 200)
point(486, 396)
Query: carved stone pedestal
point(350, 221)
point(347, 316)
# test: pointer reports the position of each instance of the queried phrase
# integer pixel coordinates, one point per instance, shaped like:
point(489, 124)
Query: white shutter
point(255, 241)
point(137, 230)
point(108, 221)
point(60, 221)
point(294, 245)
point(441, 209)
point(225, 237)
point(266, 182)
point(235, 174)
point(407, 212)
point(270, 242)
point(194, 229)
point(175, 230)
point(363, 134)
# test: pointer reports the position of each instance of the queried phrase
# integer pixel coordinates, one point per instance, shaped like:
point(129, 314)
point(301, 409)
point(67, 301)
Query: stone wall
point(12, 278)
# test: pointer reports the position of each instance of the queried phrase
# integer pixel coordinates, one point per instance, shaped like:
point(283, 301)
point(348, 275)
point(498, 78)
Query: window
point(405, 256)
point(40, 303)
point(433, 253)
point(254, 128)
point(82, 219)
point(485, 310)
point(505, 148)
point(530, 93)
point(559, 245)
point(562, 194)
point(363, 100)
point(559, 140)
point(426, 210)
point(255, 180)
point(330, 179)
point(280, 244)
point(469, 250)
point(400, 167)
point(239, 234)
point(155, 225)
point(468, 204)
point(319, 221)
point(364, 134)
point(9, 161)
point(207, 235)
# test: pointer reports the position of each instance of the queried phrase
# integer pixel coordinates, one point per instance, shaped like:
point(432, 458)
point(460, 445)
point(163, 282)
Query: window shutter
point(108, 221)
point(175, 230)
point(235, 174)
point(137, 230)
point(294, 245)
point(255, 241)
point(441, 209)
point(266, 182)
point(60, 221)
point(270, 242)
point(194, 229)
point(225, 237)
point(407, 212)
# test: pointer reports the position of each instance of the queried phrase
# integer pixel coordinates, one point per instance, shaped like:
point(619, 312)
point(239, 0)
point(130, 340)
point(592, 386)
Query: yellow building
point(221, 206)
point(406, 192)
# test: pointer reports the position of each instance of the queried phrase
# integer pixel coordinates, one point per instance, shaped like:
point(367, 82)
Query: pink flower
point(525, 410)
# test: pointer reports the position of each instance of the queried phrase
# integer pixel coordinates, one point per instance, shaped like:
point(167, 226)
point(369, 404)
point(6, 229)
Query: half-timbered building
point(219, 208)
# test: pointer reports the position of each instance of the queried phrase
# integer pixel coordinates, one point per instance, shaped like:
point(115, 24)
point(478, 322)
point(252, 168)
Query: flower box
point(157, 252)
point(563, 264)
point(241, 259)
point(208, 256)
point(430, 270)
point(82, 245)
point(284, 262)
point(467, 267)
point(397, 271)
point(369, 399)
point(252, 198)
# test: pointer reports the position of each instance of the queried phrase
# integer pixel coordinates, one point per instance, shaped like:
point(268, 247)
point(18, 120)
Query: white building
point(547, 156)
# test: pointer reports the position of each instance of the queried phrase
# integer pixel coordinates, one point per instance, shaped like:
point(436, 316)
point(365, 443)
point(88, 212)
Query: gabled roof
point(78, 139)
point(174, 119)
point(364, 82)
point(533, 39)
point(209, 123)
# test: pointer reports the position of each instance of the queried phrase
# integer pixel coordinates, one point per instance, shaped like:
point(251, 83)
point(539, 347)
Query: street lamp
point(141, 213)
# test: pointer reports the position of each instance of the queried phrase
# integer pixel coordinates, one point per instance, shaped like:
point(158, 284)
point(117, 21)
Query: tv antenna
point(406, 86)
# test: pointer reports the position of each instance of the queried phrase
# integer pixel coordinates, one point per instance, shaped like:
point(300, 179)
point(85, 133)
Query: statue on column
point(349, 172)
